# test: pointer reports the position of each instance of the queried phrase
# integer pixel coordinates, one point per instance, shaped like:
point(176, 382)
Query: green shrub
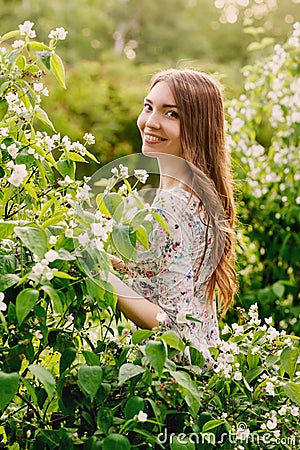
point(264, 142)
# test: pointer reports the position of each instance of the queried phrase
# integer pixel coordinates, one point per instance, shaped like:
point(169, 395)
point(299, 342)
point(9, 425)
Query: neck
point(173, 172)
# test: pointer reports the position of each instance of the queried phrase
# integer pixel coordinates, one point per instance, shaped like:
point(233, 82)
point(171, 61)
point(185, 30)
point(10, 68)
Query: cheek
point(140, 122)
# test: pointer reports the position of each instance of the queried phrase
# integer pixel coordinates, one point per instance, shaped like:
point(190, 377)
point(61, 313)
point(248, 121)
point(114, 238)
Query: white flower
point(272, 333)
point(83, 239)
point(89, 138)
point(99, 244)
point(51, 255)
point(52, 240)
point(226, 329)
point(38, 269)
point(39, 334)
point(238, 329)
point(12, 150)
point(26, 28)
point(141, 175)
point(123, 171)
point(282, 411)
point(142, 417)
point(115, 171)
point(161, 317)
point(237, 376)
point(272, 424)
point(236, 125)
point(268, 320)
point(255, 350)
point(69, 232)
point(59, 33)
point(3, 305)
point(68, 180)
point(99, 230)
point(38, 87)
point(18, 44)
point(18, 175)
point(4, 131)
point(123, 189)
point(270, 388)
point(295, 411)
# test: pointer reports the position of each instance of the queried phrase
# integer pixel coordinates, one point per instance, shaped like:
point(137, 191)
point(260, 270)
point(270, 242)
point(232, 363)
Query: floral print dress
point(168, 274)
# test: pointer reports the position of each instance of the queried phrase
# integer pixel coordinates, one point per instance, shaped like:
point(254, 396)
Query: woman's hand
point(117, 263)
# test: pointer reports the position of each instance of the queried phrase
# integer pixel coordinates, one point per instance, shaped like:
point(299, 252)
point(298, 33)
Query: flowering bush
point(71, 374)
point(264, 142)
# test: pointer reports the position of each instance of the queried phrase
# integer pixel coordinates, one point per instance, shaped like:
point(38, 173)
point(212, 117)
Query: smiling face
point(159, 122)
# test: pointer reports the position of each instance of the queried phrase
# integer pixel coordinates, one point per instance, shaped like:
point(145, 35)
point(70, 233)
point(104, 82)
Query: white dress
point(168, 273)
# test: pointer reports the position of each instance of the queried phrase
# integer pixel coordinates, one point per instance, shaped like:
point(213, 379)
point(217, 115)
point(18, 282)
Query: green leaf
point(64, 275)
point(133, 406)
point(116, 442)
point(43, 117)
point(161, 221)
point(140, 335)
point(44, 377)
point(76, 157)
point(34, 238)
point(123, 242)
point(292, 390)
point(181, 442)
point(25, 302)
point(252, 360)
point(142, 236)
point(139, 218)
point(184, 380)
point(44, 56)
point(10, 35)
point(91, 358)
point(58, 69)
point(115, 205)
point(66, 167)
point(54, 297)
point(278, 289)
point(288, 360)
point(156, 353)
point(66, 359)
point(34, 45)
point(6, 228)
point(89, 380)
point(253, 373)
point(173, 340)
point(9, 383)
point(8, 280)
point(211, 424)
point(104, 419)
point(197, 358)
point(128, 371)
point(3, 108)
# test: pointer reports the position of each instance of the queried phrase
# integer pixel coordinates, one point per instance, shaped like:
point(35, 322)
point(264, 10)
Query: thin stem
point(31, 406)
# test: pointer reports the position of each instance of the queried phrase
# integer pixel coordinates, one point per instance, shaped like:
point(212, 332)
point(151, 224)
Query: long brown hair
point(199, 100)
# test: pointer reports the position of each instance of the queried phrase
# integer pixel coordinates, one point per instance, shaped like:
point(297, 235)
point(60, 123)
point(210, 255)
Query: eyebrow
point(164, 106)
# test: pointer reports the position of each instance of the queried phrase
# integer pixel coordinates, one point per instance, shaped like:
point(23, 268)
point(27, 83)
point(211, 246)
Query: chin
point(149, 152)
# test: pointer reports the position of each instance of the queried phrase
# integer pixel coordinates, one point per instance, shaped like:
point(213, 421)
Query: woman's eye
point(147, 107)
point(172, 114)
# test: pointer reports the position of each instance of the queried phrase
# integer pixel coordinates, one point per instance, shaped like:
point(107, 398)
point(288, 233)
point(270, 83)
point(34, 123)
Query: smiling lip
point(153, 139)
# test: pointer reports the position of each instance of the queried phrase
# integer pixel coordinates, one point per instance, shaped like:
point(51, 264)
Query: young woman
point(177, 281)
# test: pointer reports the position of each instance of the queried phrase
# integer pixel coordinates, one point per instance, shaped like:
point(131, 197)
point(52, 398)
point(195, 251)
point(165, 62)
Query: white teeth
point(152, 138)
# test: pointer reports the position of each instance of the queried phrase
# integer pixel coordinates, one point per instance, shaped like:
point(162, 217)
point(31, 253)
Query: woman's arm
point(138, 309)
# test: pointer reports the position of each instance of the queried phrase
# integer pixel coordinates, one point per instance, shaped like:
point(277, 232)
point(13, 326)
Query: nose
point(152, 120)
